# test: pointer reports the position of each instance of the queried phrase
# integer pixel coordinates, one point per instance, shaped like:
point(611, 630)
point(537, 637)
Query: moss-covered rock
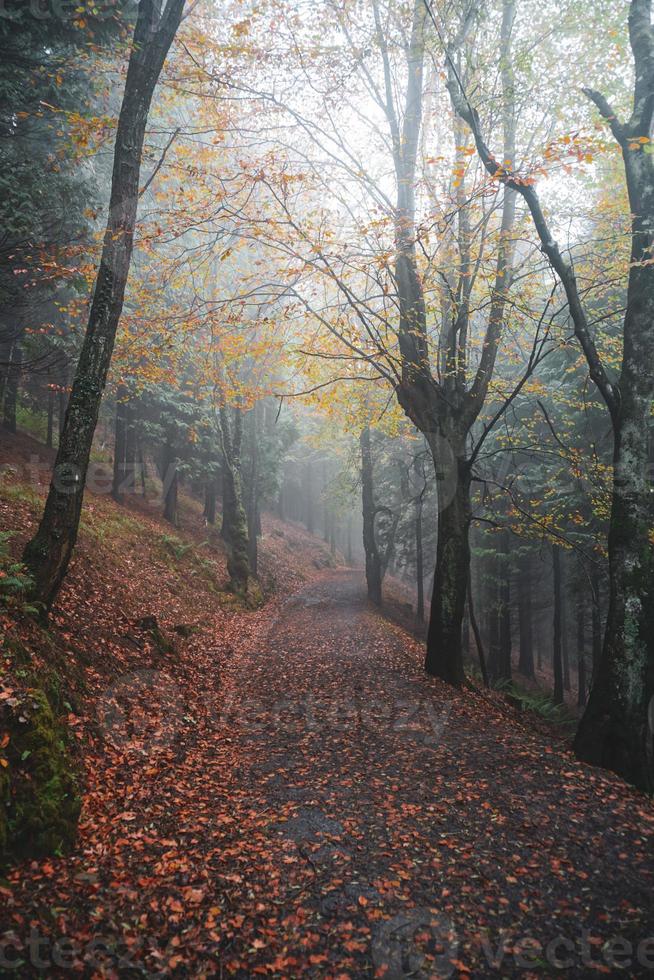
point(39, 796)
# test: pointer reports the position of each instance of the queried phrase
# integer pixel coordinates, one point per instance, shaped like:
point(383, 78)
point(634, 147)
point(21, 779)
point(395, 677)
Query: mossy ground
point(39, 793)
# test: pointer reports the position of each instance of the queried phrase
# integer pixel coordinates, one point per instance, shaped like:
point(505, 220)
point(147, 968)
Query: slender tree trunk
point(557, 658)
point(252, 508)
point(565, 648)
point(48, 554)
point(11, 387)
point(5, 361)
point(476, 632)
point(209, 513)
point(420, 569)
point(170, 479)
point(131, 446)
point(581, 647)
point(499, 665)
point(308, 476)
point(505, 607)
point(119, 443)
point(141, 458)
point(50, 429)
point(281, 510)
point(526, 662)
point(235, 523)
point(373, 558)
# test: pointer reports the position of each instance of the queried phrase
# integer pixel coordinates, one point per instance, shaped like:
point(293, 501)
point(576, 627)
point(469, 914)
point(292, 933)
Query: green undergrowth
point(105, 527)
point(39, 785)
point(22, 493)
point(538, 702)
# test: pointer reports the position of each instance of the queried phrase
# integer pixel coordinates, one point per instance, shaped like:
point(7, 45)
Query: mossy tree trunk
point(48, 554)
point(617, 730)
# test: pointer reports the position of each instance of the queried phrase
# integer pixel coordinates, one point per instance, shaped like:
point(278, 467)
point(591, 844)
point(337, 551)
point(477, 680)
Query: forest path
point(387, 806)
point(324, 809)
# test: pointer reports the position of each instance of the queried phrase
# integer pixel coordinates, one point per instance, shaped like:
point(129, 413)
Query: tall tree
point(444, 410)
point(614, 731)
point(48, 554)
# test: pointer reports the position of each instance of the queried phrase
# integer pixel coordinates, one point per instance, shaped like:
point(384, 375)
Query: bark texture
point(47, 555)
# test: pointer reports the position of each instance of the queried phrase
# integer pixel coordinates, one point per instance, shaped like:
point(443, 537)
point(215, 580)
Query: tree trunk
point(48, 554)
point(141, 459)
point(131, 448)
point(235, 525)
point(505, 607)
point(308, 474)
point(581, 647)
point(557, 661)
point(62, 399)
point(281, 510)
point(444, 656)
point(565, 648)
point(5, 360)
point(210, 495)
point(499, 663)
point(476, 632)
point(170, 479)
point(252, 507)
point(615, 730)
point(420, 570)
point(373, 558)
point(526, 662)
point(11, 387)
point(596, 620)
point(119, 443)
point(50, 429)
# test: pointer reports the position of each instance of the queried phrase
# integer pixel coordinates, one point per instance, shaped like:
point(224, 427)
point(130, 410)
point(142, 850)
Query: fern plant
point(15, 581)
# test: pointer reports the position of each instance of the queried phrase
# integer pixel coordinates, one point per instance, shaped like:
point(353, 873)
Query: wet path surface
point(323, 809)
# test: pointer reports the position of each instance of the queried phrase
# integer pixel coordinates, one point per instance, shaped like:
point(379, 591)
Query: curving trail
point(327, 810)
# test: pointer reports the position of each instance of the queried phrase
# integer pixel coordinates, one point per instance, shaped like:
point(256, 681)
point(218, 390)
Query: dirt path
point(324, 809)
